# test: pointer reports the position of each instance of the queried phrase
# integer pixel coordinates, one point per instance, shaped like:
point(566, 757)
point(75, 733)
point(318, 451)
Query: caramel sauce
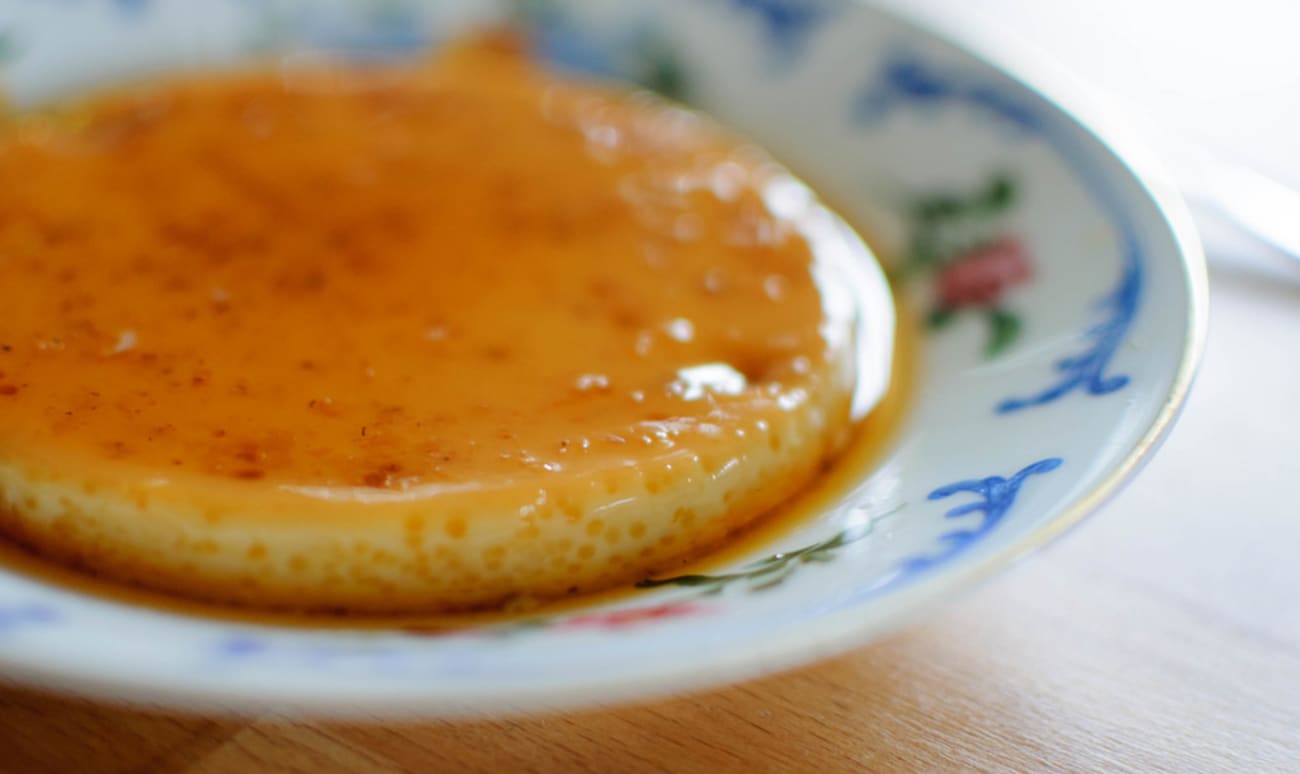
point(280, 278)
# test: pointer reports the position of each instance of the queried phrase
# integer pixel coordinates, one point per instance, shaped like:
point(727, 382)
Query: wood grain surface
point(1163, 635)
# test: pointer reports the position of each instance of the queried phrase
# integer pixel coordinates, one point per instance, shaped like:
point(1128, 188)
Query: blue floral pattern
point(787, 23)
point(14, 618)
point(996, 496)
point(1087, 370)
point(909, 79)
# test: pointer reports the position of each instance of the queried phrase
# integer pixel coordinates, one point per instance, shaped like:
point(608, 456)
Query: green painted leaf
point(939, 207)
point(774, 569)
point(661, 72)
point(999, 195)
point(940, 317)
point(769, 584)
point(7, 46)
point(678, 580)
point(923, 253)
point(1004, 329)
point(532, 10)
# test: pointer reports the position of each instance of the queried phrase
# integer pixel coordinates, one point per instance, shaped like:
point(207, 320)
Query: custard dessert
point(406, 338)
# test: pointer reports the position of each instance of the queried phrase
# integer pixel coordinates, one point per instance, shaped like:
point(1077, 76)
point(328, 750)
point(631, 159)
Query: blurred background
point(1199, 79)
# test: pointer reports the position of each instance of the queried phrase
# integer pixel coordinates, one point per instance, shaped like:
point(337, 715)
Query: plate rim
point(839, 631)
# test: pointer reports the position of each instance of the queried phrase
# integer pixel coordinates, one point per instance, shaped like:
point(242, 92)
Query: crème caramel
point(396, 339)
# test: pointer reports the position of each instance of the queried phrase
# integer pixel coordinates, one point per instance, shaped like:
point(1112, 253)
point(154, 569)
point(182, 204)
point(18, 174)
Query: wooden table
point(1164, 635)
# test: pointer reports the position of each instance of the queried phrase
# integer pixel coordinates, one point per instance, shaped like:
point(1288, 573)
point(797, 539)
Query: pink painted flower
point(980, 276)
point(622, 619)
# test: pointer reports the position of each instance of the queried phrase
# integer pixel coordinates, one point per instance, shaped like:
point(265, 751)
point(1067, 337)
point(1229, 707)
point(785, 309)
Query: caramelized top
point(385, 277)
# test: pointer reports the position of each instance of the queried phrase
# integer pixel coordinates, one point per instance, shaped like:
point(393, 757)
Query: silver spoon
point(1248, 199)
